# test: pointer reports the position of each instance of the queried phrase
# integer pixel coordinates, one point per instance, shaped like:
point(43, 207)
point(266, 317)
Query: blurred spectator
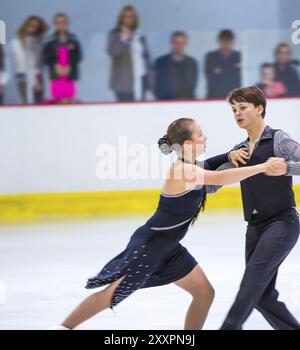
point(62, 54)
point(223, 67)
point(267, 84)
point(176, 74)
point(130, 59)
point(1, 74)
point(285, 70)
point(26, 49)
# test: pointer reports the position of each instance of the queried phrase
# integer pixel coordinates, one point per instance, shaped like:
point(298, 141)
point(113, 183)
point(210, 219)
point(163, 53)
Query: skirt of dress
point(151, 258)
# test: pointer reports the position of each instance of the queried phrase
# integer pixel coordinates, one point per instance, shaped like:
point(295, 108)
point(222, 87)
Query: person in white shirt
point(26, 50)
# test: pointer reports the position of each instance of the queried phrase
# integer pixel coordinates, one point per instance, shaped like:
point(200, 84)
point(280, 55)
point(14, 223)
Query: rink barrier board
point(31, 206)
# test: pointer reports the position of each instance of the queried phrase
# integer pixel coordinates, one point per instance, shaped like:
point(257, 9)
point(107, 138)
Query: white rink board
point(53, 148)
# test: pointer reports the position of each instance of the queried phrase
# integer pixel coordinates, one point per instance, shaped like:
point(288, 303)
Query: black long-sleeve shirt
point(223, 73)
point(175, 79)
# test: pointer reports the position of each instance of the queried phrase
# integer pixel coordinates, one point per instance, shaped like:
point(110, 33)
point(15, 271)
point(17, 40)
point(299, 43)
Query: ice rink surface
point(44, 268)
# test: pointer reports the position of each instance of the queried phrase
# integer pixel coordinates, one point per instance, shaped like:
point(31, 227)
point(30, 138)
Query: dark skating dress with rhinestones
point(154, 256)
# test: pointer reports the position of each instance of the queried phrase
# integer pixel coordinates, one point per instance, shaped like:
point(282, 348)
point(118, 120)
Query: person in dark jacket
point(176, 74)
point(130, 58)
point(62, 38)
point(285, 70)
point(223, 67)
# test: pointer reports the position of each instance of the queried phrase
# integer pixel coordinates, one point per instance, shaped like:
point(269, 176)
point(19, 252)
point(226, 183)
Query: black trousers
point(268, 243)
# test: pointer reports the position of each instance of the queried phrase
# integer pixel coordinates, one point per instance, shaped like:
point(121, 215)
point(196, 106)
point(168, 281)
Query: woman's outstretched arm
point(229, 176)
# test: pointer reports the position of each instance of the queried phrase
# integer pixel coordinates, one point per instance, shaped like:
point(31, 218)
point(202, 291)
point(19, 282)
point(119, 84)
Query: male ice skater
point(270, 210)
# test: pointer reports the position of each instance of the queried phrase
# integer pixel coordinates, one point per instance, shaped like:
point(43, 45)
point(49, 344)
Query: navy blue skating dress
point(154, 256)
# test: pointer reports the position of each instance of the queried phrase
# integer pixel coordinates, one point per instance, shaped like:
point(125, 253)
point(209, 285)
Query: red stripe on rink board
point(130, 102)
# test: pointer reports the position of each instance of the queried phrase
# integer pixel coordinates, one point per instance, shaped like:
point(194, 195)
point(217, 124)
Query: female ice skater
point(154, 256)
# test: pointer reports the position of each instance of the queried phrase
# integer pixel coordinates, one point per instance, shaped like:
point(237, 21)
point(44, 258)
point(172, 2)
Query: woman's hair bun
point(164, 145)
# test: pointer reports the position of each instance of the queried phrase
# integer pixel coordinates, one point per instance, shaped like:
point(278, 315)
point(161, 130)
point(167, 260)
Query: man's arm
point(289, 149)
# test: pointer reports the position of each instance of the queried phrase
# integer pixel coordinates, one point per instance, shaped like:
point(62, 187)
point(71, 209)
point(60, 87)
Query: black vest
point(267, 194)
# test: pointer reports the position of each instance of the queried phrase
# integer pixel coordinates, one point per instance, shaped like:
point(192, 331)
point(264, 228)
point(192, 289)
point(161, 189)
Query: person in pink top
point(63, 89)
point(62, 54)
point(268, 84)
